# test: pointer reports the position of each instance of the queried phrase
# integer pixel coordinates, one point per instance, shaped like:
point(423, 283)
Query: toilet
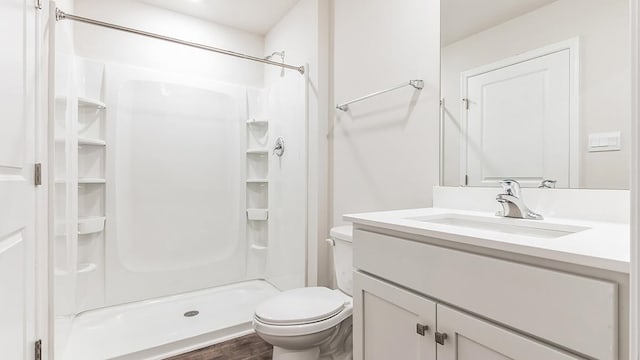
point(313, 323)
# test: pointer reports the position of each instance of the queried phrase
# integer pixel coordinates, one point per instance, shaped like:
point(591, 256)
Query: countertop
point(602, 245)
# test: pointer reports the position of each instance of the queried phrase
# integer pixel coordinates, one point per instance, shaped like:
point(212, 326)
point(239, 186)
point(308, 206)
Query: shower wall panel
point(286, 259)
point(177, 184)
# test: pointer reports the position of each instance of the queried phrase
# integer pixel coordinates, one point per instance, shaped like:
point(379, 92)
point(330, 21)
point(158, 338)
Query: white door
point(469, 338)
point(391, 323)
point(518, 122)
point(17, 191)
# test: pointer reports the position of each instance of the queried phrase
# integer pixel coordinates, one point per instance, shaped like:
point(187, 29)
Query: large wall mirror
point(537, 91)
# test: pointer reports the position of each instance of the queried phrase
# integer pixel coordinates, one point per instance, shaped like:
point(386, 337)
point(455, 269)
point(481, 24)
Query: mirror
point(535, 90)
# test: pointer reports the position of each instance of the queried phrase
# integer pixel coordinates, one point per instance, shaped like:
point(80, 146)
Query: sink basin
point(531, 228)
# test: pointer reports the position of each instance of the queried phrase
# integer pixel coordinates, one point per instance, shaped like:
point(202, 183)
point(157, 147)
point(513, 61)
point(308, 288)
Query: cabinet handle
point(421, 329)
point(441, 337)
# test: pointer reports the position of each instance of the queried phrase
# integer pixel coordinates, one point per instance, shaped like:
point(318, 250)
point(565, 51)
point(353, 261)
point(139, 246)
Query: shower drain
point(191, 313)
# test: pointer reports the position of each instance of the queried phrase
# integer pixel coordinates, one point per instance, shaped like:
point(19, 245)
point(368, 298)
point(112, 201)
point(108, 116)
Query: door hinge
point(38, 350)
point(441, 337)
point(37, 174)
point(421, 329)
point(39, 4)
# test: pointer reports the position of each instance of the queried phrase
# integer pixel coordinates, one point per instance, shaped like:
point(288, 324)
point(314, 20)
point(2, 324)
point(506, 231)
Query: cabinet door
point(391, 323)
point(469, 338)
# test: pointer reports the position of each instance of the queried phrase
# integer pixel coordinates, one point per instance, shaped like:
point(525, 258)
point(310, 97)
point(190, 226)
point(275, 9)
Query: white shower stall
point(174, 217)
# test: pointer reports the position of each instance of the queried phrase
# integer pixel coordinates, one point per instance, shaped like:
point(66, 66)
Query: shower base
point(158, 328)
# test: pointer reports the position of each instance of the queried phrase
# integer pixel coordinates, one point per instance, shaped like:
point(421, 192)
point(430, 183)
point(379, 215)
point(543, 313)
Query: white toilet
point(312, 323)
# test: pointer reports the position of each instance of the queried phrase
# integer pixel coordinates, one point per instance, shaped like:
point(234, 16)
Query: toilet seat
point(300, 306)
point(302, 311)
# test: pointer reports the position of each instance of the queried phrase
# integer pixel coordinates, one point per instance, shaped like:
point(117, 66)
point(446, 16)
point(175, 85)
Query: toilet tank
point(342, 237)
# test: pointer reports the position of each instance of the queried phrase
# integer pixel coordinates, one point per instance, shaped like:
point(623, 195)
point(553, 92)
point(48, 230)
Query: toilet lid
point(301, 306)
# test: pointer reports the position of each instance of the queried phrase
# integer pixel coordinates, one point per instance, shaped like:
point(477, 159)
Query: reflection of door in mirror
point(595, 151)
point(518, 119)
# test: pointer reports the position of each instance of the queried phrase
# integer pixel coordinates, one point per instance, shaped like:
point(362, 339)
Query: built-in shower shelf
point(86, 268)
point(83, 141)
point(257, 151)
point(90, 225)
point(258, 122)
point(90, 141)
point(258, 214)
point(259, 248)
point(91, 103)
point(91, 181)
point(257, 181)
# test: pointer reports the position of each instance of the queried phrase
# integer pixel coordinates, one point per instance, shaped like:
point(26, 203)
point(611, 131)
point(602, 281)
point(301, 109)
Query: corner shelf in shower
point(84, 141)
point(257, 199)
point(60, 272)
point(90, 141)
point(84, 102)
point(257, 122)
point(257, 151)
point(257, 214)
point(91, 181)
point(82, 269)
point(86, 268)
point(90, 225)
point(84, 181)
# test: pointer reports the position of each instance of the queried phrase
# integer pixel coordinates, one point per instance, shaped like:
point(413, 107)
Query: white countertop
point(604, 245)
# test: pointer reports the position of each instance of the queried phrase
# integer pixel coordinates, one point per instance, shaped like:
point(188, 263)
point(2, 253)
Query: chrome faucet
point(512, 203)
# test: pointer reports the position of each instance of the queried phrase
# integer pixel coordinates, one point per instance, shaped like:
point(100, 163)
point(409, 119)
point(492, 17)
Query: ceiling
point(256, 16)
point(462, 18)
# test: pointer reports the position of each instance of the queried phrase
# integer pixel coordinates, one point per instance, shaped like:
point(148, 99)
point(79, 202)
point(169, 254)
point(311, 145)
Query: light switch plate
point(609, 141)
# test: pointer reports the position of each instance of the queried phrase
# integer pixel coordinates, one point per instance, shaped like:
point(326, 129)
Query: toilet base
point(287, 354)
point(339, 346)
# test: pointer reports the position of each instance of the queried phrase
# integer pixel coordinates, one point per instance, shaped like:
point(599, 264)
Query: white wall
point(602, 27)
point(299, 33)
point(114, 46)
point(384, 152)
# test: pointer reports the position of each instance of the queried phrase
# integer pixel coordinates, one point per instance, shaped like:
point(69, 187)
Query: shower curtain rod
point(61, 15)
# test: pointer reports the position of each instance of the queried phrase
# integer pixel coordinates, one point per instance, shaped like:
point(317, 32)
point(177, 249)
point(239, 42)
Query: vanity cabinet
point(393, 323)
point(489, 308)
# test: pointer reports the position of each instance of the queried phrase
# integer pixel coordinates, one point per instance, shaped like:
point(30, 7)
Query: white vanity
point(525, 99)
point(464, 284)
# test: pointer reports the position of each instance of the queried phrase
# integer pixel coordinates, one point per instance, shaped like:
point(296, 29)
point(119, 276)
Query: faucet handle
point(548, 184)
point(278, 147)
point(511, 187)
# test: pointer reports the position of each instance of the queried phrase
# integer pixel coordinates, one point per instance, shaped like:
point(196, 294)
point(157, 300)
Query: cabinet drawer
point(576, 312)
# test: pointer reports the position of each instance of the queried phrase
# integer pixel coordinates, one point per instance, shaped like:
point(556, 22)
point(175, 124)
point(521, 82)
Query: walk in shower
point(180, 195)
